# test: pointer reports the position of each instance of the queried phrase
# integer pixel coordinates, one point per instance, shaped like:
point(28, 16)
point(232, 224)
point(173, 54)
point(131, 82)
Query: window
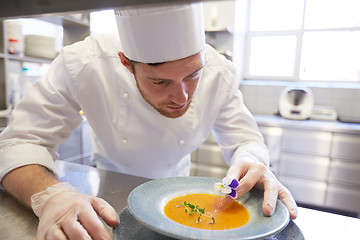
point(102, 22)
point(303, 40)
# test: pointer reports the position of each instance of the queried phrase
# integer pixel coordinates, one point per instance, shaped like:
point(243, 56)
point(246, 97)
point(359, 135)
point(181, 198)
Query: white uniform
point(129, 136)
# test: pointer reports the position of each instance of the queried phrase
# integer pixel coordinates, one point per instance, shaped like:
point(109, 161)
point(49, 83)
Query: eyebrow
point(164, 79)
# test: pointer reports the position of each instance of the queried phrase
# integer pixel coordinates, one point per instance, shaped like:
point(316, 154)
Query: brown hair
point(132, 64)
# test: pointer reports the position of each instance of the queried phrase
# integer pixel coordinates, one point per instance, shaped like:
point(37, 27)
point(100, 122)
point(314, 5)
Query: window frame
point(298, 34)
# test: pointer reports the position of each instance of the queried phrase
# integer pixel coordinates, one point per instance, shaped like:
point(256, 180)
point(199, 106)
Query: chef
point(152, 95)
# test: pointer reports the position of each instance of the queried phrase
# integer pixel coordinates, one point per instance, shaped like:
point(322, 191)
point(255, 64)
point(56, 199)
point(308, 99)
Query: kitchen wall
point(262, 97)
point(219, 16)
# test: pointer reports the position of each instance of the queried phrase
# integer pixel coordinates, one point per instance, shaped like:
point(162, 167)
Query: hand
point(250, 173)
point(65, 214)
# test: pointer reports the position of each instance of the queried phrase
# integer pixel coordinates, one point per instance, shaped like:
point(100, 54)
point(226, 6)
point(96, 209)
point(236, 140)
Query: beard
point(163, 108)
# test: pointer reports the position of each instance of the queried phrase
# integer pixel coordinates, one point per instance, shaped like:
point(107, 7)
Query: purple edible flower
point(227, 186)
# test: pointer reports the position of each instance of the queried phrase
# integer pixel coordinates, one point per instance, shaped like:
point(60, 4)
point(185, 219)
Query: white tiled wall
point(262, 98)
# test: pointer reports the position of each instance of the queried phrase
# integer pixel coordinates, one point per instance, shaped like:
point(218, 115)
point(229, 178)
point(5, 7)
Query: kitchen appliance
point(296, 103)
point(325, 113)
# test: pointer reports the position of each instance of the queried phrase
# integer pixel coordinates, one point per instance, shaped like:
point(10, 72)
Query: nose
point(179, 94)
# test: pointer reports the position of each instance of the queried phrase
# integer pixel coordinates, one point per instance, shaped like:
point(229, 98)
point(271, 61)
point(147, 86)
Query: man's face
point(170, 87)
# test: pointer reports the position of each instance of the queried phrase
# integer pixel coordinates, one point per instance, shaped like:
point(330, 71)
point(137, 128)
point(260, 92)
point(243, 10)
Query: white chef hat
point(161, 34)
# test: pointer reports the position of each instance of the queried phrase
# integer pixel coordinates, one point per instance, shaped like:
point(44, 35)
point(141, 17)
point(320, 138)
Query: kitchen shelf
point(75, 28)
point(216, 36)
point(25, 58)
point(219, 30)
point(68, 21)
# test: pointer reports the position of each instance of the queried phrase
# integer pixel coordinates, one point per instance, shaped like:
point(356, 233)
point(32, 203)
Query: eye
point(158, 82)
point(195, 75)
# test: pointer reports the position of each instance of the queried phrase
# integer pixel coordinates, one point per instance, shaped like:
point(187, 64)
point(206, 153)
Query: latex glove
point(64, 213)
point(251, 172)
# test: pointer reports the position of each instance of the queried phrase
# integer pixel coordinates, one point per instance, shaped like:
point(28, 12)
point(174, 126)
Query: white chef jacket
point(129, 135)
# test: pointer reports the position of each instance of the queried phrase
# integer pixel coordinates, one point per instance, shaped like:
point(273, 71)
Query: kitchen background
point(317, 159)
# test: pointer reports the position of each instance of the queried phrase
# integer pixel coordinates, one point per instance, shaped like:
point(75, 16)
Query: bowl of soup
point(189, 208)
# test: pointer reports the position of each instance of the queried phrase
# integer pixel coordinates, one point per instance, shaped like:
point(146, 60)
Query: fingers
point(252, 177)
point(74, 230)
point(80, 222)
point(93, 225)
point(274, 190)
point(270, 197)
point(250, 173)
point(106, 212)
point(83, 224)
point(68, 224)
point(288, 200)
point(55, 233)
point(235, 171)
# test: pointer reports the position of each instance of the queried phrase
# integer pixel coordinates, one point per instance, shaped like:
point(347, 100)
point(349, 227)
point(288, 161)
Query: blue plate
point(146, 203)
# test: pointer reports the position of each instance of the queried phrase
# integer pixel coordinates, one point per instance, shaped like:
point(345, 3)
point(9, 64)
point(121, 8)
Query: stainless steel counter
point(316, 125)
point(18, 222)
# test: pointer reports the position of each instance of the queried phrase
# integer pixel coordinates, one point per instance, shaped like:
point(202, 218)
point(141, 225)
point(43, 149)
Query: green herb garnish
point(196, 209)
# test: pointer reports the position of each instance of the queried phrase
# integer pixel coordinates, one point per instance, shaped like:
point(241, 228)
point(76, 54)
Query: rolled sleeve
point(44, 118)
point(19, 155)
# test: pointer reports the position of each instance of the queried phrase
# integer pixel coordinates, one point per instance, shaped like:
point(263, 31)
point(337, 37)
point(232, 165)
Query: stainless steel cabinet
point(211, 155)
point(208, 160)
point(304, 166)
point(344, 173)
point(272, 137)
point(306, 191)
point(343, 197)
point(319, 164)
point(211, 171)
point(307, 142)
point(346, 146)
point(331, 160)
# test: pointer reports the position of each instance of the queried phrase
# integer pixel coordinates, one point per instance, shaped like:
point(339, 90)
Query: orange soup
point(218, 213)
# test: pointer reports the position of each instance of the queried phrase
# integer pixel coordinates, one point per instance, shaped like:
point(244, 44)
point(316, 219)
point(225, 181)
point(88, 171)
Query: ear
point(125, 62)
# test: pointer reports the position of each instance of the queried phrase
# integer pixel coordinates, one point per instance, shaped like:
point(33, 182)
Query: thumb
point(106, 212)
point(234, 171)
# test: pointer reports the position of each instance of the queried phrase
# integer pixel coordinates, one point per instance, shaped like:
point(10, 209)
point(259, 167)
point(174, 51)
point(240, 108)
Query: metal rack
point(73, 30)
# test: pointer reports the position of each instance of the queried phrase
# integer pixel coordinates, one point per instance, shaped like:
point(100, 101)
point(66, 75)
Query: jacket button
point(126, 95)
point(124, 140)
point(181, 141)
